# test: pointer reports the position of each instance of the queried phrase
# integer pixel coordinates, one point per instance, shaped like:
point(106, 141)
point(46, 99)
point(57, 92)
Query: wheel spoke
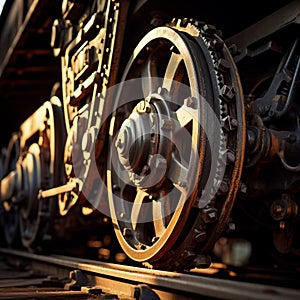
point(178, 173)
point(149, 77)
point(171, 69)
point(158, 217)
point(136, 207)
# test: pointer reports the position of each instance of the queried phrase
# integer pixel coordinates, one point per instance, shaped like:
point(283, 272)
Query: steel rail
point(185, 286)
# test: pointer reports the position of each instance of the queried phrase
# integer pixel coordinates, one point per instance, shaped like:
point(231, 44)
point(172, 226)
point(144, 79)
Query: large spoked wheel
point(41, 170)
point(176, 141)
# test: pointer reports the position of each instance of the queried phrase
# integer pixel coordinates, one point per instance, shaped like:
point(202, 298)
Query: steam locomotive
point(174, 124)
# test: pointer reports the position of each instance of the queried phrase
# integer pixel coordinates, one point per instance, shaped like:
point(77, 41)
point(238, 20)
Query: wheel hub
point(141, 147)
point(134, 140)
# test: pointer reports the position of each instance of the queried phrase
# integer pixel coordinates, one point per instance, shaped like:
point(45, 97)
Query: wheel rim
point(158, 208)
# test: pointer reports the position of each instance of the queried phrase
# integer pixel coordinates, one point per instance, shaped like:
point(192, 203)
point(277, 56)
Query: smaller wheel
point(9, 214)
point(41, 169)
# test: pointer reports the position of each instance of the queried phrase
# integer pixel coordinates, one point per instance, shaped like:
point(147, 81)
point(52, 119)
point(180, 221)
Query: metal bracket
point(78, 280)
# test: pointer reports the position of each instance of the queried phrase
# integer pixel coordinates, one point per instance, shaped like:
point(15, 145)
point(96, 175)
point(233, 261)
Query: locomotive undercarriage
point(183, 142)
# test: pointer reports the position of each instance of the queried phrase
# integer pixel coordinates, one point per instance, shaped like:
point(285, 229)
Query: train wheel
point(177, 140)
point(9, 215)
point(42, 169)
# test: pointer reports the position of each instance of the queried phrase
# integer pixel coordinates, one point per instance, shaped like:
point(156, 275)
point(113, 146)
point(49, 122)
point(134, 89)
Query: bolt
point(202, 261)
point(227, 93)
point(188, 254)
point(230, 157)
point(161, 90)
point(209, 29)
point(243, 188)
point(199, 236)
point(216, 44)
point(182, 184)
point(86, 141)
point(234, 123)
point(291, 138)
point(116, 188)
point(141, 246)
point(223, 188)
point(191, 102)
point(209, 215)
point(231, 226)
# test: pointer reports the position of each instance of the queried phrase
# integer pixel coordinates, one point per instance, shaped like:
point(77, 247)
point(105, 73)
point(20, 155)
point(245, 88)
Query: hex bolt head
point(202, 261)
point(209, 215)
point(209, 29)
point(188, 254)
point(234, 122)
point(227, 93)
point(223, 188)
point(191, 102)
point(230, 157)
point(216, 44)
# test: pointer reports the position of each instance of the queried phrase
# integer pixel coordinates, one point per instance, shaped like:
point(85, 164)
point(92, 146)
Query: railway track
point(79, 278)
